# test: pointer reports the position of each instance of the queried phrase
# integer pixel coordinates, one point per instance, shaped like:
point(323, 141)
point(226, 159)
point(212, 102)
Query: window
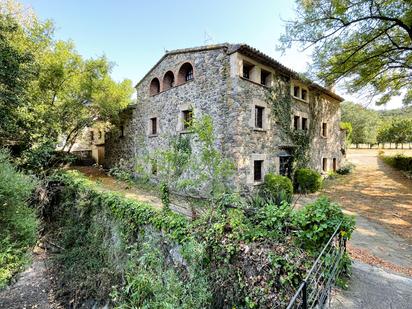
point(265, 78)
point(296, 122)
point(153, 126)
point(154, 167)
point(168, 80)
point(324, 129)
point(259, 117)
point(334, 165)
point(154, 86)
point(257, 170)
point(300, 92)
point(92, 135)
point(185, 73)
point(305, 124)
point(296, 90)
point(246, 70)
point(100, 134)
point(187, 119)
point(325, 164)
point(304, 95)
point(121, 131)
point(285, 165)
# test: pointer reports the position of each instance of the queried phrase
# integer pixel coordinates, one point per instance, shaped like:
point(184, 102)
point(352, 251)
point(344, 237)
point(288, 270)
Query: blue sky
point(135, 34)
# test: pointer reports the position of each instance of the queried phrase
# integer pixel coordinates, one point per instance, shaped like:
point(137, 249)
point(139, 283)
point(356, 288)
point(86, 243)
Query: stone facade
point(230, 83)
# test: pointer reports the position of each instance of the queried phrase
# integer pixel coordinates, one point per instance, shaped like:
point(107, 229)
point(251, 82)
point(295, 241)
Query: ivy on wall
point(299, 140)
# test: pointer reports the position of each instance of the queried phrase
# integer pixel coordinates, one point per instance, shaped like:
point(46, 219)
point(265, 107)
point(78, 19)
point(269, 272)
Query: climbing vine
point(300, 140)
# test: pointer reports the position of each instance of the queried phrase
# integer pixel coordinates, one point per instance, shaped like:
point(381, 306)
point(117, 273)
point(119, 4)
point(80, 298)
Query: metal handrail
point(303, 287)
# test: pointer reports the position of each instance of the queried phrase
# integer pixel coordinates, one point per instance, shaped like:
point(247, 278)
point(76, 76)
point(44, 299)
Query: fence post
point(305, 296)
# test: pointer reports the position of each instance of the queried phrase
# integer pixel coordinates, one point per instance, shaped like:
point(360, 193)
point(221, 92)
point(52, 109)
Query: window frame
point(324, 129)
point(187, 122)
point(259, 117)
point(258, 170)
point(325, 164)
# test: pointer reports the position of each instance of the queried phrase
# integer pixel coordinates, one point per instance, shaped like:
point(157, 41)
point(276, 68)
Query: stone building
point(230, 82)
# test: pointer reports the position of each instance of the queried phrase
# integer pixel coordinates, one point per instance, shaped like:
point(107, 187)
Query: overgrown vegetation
point(18, 220)
point(238, 255)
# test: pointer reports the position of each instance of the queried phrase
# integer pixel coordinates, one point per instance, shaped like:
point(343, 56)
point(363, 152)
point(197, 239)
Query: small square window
point(259, 117)
point(257, 170)
point(153, 126)
point(325, 164)
point(247, 67)
point(92, 135)
point(296, 122)
point(305, 124)
point(187, 119)
point(264, 77)
point(304, 96)
point(324, 129)
point(296, 91)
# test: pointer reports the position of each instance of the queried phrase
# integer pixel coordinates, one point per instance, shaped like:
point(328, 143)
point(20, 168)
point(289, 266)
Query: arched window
point(154, 86)
point(168, 80)
point(185, 73)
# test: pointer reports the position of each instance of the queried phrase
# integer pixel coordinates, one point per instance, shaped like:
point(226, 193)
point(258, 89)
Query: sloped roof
point(254, 54)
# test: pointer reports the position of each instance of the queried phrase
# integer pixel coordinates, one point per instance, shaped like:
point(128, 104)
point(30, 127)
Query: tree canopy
point(47, 89)
point(365, 123)
point(365, 43)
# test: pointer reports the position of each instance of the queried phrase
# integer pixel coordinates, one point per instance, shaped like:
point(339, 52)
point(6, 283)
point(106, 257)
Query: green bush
point(316, 222)
point(399, 161)
point(277, 188)
point(307, 180)
point(345, 169)
point(18, 222)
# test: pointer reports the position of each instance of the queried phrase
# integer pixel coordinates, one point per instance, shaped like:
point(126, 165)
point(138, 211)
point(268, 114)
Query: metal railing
point(315, 289)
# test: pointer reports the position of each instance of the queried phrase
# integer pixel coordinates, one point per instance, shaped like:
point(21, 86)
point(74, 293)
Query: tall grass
point(18, 222)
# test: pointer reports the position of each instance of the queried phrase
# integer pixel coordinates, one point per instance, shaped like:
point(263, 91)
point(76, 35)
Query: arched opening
point(185, 73)
point(168, 80)
point(154, 86)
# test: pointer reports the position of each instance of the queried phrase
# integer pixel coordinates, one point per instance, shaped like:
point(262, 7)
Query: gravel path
point(372, 287)
point(381, 246)
point(31, 290)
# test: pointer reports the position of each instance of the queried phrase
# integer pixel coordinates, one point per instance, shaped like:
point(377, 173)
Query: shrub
point(345, 169)
point(18, 223)
point(307, 180)
point(277, 188)
point(399, 161)
point(317, 221)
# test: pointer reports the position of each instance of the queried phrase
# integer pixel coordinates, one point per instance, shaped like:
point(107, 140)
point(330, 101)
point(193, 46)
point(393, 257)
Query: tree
point(366, 43)
point(399, 131)
point(365, 122)
point(47, 89)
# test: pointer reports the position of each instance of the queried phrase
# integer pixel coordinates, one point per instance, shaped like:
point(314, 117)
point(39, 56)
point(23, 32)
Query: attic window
point(304, 95)
point(154, 86)
point(265, 77)
point(246, 70)
point(185, 73)
point(296, 91)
